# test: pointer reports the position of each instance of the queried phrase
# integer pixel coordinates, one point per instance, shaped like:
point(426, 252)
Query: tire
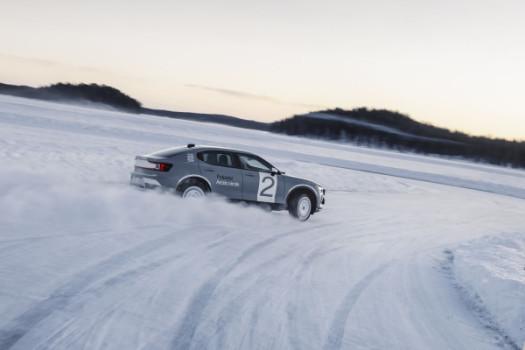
point(300, 207)
point(193, 189)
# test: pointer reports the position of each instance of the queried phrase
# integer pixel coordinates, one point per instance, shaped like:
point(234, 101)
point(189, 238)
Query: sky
point(457, 64)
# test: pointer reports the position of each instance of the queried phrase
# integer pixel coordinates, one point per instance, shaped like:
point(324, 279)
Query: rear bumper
point(144, 181)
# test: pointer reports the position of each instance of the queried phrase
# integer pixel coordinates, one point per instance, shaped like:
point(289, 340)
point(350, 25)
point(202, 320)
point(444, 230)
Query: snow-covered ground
point(490, 272)
point(411, 252)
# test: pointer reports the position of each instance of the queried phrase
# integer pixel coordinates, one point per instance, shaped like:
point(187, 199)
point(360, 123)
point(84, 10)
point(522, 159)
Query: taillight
point(148, 164)
point(163, 166)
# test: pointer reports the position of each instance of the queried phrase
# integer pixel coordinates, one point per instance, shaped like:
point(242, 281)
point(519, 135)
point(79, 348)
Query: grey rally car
point(194, 171)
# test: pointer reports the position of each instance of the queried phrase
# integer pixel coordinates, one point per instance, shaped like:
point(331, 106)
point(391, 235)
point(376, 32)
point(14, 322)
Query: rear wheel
point(192, 189)
point(193, 192)
point(300, 207)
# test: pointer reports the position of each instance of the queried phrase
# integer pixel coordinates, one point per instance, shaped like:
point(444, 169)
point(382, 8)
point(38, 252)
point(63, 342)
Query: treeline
point(76, 93)
point(364, 127)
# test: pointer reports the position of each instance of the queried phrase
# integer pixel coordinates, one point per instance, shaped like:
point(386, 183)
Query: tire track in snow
point(227, 313)
point(61, 297)
point(32, 239)
point(336, 332)
point(292, 309)
point(105, 315)
point(226, 316)
point(185, 333)
point(10, 246)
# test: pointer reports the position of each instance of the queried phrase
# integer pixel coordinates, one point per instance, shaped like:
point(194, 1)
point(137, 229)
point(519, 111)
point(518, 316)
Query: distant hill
point(109, 96)
point(393, 130)
point(362, 126)
point(76, 93)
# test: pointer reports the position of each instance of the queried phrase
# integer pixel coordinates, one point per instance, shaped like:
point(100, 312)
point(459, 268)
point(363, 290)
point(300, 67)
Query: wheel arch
point(193, 178)
point(303, 188)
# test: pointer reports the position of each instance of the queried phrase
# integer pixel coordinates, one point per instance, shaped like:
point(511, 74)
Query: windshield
point(255, 163)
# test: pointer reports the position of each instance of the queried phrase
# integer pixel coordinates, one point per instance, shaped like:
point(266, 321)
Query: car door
point(260, 184)
point(222, 170)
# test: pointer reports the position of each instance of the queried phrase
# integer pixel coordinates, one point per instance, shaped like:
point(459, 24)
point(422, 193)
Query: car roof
point(216, 148)
point(219, 148)
point(180, 149)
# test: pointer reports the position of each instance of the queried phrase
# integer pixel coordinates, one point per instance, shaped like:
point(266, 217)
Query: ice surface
point(88, 262)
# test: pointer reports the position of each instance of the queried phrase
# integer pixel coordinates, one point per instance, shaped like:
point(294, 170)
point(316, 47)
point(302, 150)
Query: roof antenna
point(190, 145)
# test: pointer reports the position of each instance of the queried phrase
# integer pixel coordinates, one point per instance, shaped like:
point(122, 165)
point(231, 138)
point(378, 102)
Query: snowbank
point(492, 272)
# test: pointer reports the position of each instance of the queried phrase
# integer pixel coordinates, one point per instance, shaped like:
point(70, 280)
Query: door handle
point(249, 175)
point(209, 170)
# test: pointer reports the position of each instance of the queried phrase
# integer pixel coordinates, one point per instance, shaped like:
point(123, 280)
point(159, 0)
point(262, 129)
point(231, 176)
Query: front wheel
point(300, 207)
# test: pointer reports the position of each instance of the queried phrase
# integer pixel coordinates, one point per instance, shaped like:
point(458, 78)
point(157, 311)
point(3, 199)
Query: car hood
point(292, 181)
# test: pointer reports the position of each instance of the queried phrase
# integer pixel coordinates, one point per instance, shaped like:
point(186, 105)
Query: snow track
point(192, 316)
point(63, 297)
point(477, 307)
point(336, 331)
point(87, 262)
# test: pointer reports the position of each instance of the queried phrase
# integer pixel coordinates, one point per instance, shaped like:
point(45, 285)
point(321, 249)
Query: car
point(195, 171)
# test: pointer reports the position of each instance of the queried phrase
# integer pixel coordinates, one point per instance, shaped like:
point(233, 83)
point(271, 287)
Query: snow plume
point(33, 202)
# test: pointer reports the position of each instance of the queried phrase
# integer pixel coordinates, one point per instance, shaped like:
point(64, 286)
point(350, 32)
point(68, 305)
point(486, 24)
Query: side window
point(217, 158)
point(249, 162)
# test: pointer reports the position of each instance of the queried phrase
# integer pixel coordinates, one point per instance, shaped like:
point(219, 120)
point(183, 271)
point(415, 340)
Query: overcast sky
point(458, 64)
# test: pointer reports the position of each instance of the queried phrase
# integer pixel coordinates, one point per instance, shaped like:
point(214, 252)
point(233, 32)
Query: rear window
point(218, 158)
point(169, 152)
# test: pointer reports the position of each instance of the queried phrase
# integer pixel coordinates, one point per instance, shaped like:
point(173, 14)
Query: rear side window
point(218, 158)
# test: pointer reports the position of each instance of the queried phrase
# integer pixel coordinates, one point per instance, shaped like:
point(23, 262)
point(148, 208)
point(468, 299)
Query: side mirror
point(276, 171)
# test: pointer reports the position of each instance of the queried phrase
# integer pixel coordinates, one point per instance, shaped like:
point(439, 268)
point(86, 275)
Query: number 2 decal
point(267, 188)
point(264, 190)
